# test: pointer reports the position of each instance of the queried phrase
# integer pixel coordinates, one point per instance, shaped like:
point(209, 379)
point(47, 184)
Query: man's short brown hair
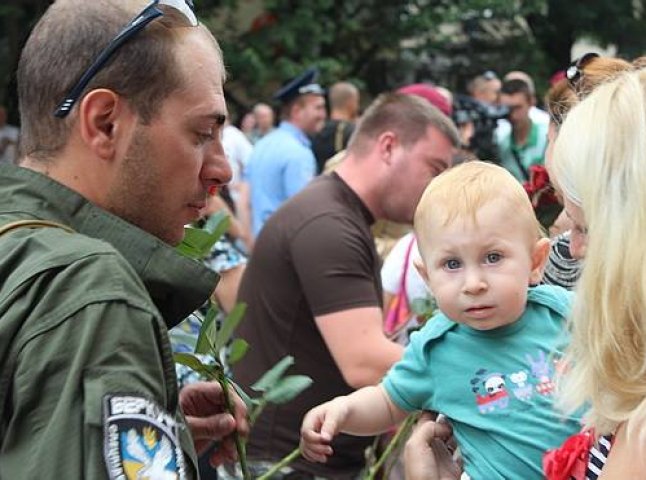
point(65, 42)
point(408, 116)
point(515, 86)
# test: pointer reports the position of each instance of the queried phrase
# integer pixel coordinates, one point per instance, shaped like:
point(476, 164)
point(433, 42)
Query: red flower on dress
point(570, 459)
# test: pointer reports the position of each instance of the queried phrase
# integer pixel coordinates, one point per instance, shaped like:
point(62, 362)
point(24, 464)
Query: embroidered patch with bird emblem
point(140, 440)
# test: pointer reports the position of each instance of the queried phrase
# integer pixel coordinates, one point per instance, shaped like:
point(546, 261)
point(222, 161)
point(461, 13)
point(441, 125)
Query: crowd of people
point(530, 346)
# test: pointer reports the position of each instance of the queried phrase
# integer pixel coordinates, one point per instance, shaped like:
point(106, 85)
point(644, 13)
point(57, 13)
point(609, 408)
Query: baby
point(488, 360)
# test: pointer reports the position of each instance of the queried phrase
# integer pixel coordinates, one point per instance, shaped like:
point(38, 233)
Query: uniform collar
point(296, 132)
point(177, 285)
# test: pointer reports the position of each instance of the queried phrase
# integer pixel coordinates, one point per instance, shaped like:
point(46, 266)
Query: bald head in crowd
point(344, 101)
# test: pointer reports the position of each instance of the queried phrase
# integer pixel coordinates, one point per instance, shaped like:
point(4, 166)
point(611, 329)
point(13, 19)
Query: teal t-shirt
point(496, 386)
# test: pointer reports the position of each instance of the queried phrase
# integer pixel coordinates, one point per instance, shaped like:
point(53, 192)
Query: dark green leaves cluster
point(381, 45)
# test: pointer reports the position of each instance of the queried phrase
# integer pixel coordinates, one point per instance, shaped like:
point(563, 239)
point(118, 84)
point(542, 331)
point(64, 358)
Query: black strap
point(519, 164)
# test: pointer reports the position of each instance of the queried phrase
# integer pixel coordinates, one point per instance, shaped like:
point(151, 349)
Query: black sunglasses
point(176, 9)
point(575, 70)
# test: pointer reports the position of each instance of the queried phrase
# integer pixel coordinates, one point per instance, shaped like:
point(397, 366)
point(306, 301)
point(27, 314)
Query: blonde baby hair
point(462, 190)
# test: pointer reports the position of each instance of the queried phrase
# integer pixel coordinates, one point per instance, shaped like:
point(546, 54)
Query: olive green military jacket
point(87, 380)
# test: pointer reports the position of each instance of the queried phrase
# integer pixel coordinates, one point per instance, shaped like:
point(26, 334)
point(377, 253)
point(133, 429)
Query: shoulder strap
point(338, 137)
point(32, 224)
point(519, 164)
point(402, 285)
point(8, 372)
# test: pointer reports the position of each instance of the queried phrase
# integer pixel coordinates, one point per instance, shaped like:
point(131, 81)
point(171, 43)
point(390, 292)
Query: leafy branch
point(217, 343)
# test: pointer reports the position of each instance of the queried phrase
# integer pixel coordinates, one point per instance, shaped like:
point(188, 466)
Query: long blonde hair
point(600, 163)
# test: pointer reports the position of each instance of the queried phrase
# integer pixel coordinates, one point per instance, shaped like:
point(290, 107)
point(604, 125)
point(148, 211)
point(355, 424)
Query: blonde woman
point(600, 165)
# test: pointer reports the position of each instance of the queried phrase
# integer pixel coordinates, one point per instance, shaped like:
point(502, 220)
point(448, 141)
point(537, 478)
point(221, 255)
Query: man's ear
point(100, 114)
point(386, 142)
point(539, 256)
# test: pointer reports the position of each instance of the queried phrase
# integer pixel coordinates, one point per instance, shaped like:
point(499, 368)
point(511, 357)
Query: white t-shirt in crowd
point(237, 148)
point(393, 267)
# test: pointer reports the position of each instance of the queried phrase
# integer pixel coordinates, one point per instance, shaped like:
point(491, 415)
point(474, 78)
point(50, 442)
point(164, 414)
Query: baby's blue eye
point(493, 257)
point(452, 264)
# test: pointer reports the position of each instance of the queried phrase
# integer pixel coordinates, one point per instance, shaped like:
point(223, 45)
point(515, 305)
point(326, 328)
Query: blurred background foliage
point(380, 44)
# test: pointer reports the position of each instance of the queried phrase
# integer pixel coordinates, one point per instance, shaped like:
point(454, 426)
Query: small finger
point(319, 449)
point(213, 427)
point(311, 436)
point(314, 456)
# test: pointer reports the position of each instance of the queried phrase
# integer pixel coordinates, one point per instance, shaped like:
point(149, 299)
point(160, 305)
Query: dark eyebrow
point(219, 118)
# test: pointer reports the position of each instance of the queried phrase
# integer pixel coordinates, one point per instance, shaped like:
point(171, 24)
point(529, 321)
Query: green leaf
point(193, 243)
point(217, 224)
point(229, 325)
point(197, 242)
point(272, 376)
point(192, 362)
point(249, 402)
point(188, 249)
point(208, 326)
point(288, 388)
point(237, 350)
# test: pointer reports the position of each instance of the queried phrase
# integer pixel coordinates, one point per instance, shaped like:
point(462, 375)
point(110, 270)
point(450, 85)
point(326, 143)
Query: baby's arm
point(368, 411)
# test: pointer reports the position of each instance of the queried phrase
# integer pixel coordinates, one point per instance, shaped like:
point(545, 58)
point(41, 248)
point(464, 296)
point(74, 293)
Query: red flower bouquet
point(542, 195)
point(570, 460)
point(539, 188)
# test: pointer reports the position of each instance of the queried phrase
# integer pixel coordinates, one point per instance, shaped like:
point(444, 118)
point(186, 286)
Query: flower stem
point(240, 446)
point(283, 463)
point(395, 442)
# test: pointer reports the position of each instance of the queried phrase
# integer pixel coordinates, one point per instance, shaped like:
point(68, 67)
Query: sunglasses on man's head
point(180, 12)
point(575, 70)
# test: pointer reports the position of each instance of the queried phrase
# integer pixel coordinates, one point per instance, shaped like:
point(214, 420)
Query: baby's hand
point(320, 425)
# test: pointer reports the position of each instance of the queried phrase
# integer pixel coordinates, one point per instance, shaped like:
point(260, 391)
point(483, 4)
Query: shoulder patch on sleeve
point(140, 440)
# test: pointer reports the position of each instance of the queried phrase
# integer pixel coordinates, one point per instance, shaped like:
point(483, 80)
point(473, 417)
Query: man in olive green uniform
point(119, 147)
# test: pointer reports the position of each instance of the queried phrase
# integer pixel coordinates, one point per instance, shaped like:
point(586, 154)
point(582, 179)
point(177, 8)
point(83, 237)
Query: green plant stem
point(402, 431)
point(256, 411)
point(283, 463)
point(407, 427)
point(240, 447)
